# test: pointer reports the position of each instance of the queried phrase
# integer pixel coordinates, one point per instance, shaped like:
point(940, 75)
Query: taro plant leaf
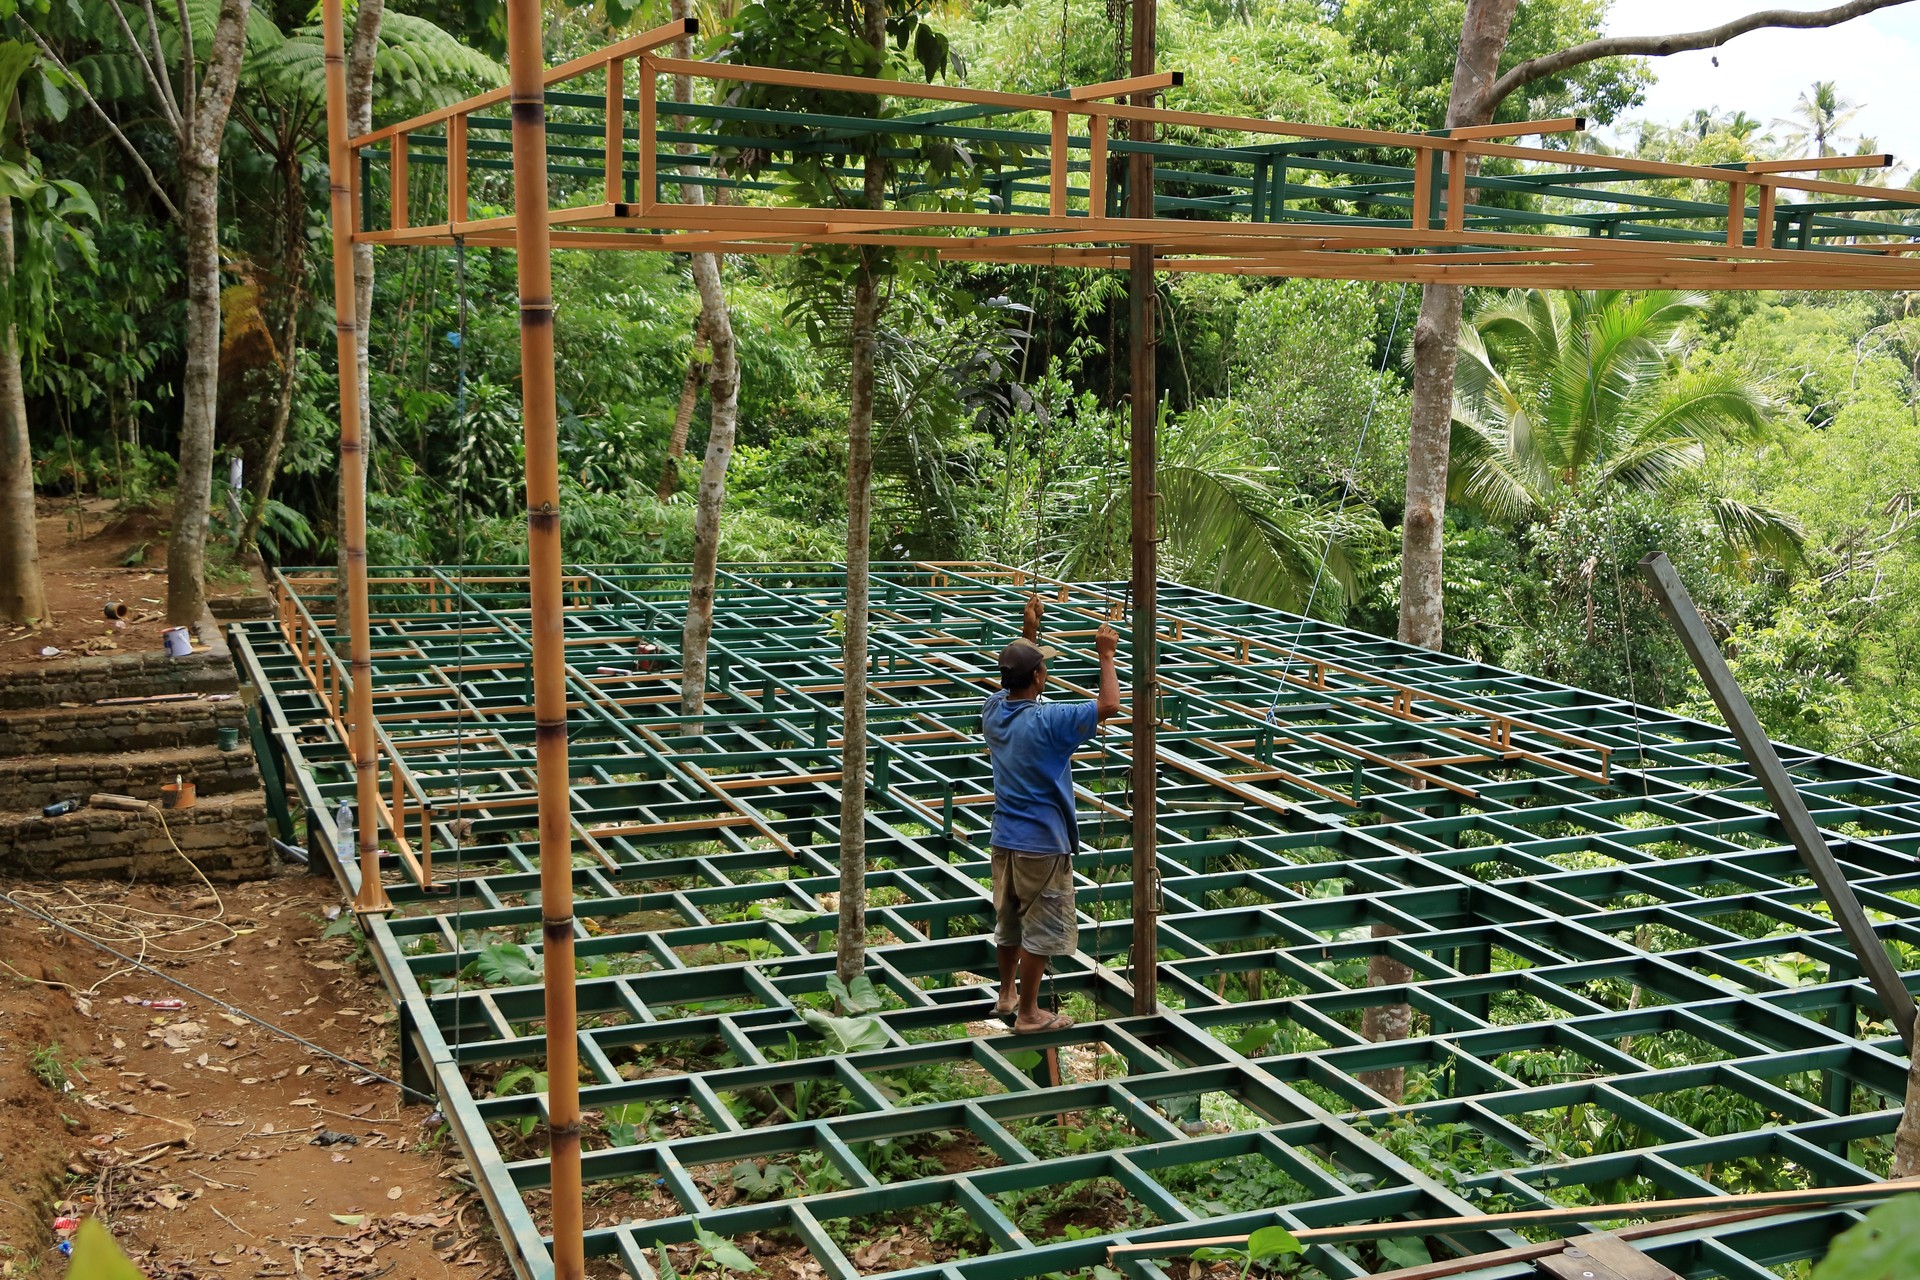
point(859, 996)
point(1878, 1247)
point(723, 1251)
point(847, 1035)
point(795, 915)
point(507, 964)
point(1409, 1252)
point(97, 1257)
point(1255, 1038)
point(1024, 1059)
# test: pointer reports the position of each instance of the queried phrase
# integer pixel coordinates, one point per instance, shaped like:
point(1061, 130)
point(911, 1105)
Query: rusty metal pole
point(1146, 548)
point(366, 761)
point(533, 247)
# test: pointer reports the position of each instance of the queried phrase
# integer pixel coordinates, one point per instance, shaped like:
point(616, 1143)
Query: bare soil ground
point(195, 1135)
point(83, 542)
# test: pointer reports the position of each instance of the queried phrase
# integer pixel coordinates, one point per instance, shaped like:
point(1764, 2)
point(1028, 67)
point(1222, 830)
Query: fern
point(418, 66)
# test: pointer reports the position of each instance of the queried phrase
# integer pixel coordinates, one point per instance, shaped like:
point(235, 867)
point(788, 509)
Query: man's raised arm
point(1105, 642)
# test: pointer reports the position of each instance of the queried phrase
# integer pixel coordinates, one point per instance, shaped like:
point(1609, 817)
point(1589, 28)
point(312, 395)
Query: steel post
point(1802, 830)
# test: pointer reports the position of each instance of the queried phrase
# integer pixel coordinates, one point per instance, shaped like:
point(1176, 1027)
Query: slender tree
point(23, 593)
point(1478, 90)
point(361, 50)
point(720, 372)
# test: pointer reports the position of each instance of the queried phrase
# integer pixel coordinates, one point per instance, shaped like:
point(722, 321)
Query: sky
point(1874, 60)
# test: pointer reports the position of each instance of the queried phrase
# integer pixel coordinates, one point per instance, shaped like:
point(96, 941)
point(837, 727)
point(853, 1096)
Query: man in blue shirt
point(1031, 744)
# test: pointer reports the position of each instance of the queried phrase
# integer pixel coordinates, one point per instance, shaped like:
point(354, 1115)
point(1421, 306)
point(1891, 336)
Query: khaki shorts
point(1033, 903)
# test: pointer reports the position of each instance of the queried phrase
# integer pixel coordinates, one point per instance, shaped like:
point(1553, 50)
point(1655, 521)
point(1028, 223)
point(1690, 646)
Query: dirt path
point(195, 1134)
point(85, 545)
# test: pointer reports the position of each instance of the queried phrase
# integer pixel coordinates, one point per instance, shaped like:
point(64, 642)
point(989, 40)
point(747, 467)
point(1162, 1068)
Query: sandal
point(1057, 1022)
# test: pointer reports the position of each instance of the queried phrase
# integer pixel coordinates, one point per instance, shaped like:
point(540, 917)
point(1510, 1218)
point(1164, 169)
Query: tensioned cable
point(282, 1032)
point(1353, 472)
point(460, 668)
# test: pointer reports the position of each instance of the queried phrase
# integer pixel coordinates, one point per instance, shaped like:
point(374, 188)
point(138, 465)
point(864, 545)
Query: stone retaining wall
point(34, 781)
point(84, 681)
point(225, 837)
point(135, 726)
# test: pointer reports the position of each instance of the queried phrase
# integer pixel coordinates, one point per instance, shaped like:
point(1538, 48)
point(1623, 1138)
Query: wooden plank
point(397, 182)
point(1057, 167)
point(1602, 1257)
point(644, 184)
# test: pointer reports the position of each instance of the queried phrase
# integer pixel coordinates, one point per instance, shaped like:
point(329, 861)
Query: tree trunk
point(199, 395)
point(1386, 1021)
point(1483, 36)
point(277, 437)
point(204, 123)
point(293, 258)
point(721, 373)
point(698, 371)
point(1906, 1138)
point(851, 960)
point(360, 55)
point(23, 594)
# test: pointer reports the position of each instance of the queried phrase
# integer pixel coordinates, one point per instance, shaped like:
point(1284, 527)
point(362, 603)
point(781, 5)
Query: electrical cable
point(282, 1032)
point(1353, 471)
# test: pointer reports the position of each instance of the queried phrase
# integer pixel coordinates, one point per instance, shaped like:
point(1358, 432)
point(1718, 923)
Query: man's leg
point(1008, 998)
point(1032, 969)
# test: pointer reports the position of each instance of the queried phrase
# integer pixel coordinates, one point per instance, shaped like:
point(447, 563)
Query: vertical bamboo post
point(457, 170)
point(1057, 166)
point(397, 179)
point(616, 128)
point(533, 245)
point(1456, 191)
point(1422, 211)
point(341, 170)
point(1736, 214)
point(1096, 165)
point(644, 189)
point(1146, 548)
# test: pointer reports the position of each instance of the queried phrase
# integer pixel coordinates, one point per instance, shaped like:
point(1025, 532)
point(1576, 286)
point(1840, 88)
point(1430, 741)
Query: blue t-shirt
point(1031, 744)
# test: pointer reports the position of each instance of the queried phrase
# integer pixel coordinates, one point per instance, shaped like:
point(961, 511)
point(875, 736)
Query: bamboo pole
point(1146, 548)
point(534, 254)
point(340, 166)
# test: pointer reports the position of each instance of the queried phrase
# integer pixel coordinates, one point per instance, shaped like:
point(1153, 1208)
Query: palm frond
point(1757, 530)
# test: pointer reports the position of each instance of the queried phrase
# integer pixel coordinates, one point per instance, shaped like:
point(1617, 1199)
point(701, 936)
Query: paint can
point(228, 737)
point(179, 643)
point(177, 795)
point(114, 611)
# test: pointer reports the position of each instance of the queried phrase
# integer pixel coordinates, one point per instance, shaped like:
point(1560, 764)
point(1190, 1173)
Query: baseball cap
point(1019, 660)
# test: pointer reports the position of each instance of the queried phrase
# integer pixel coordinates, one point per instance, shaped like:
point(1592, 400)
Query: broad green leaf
point(97, 1257)
point(1274, 1242)
point(859, 996)
point(1882, 1246)
point(848, 1035)
point(1409, 1251)
point(787, 915)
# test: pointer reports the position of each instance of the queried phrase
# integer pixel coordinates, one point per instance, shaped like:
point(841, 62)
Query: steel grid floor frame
point(1623, 984)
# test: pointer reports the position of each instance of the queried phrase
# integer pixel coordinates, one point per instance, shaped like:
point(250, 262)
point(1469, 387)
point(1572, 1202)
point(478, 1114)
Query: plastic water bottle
point(343, 823)
point(59, 807)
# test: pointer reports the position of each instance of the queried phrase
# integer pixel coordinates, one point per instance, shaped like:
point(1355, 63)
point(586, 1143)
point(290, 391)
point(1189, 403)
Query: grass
point(51, 1067)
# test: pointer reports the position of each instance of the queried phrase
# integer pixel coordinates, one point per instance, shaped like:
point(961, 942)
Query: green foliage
point(847, 1035)
point(97, 1257)
point(1878, 1247)
point(1263, 1247)
point(50, 1066)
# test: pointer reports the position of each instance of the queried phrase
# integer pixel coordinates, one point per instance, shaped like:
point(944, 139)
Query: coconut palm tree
point(1229, 521)
point(1819, 114)
point(1561, 394)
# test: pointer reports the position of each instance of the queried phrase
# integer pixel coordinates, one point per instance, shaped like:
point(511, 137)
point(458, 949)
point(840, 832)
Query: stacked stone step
point(129, 724)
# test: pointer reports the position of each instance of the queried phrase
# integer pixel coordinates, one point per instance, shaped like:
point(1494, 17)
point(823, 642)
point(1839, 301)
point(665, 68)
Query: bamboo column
point(1146, 548)
point(366, 762)
point(534, 253)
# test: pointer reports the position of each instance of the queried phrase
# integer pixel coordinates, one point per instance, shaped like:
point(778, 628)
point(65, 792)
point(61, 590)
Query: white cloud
point(1873, 61)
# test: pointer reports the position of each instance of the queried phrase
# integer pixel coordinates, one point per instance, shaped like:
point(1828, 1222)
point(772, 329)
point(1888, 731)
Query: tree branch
point(159, 54)
point(126, 144)
point(1681, 42)
point(162, 98)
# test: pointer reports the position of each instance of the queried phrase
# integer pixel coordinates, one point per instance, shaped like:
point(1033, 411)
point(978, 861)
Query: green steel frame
point(1606, 928)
